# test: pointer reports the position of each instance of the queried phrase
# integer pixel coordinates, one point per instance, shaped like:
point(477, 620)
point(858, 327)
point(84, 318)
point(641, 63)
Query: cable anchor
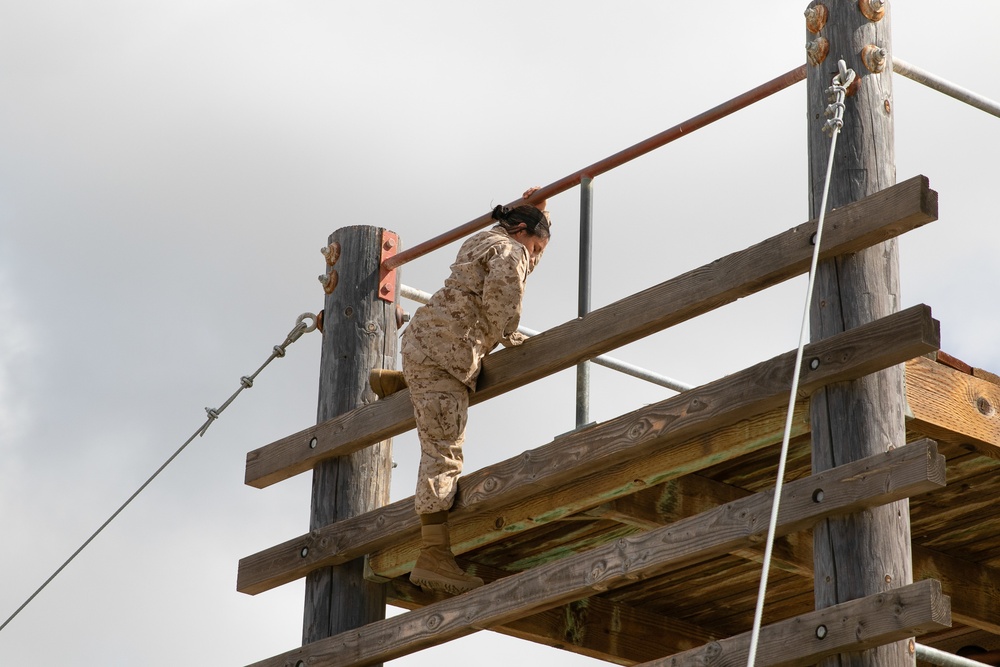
point(837, 93)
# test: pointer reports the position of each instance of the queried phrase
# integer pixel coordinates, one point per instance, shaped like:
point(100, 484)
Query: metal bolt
point(818, 496)
point(821, 632)
point(888, 578)
point(812, 239)
point(329, 281)
point(389, 244)
point(304, 552)
point(814, 363)
point(312, 443)
point(817, 50)
point(874, 10)
point(384, 289)
point(816, 18)
point(874, 57)
point(332, 253)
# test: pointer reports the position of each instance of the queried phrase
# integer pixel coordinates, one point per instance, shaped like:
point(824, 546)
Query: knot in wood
point(984, 406)
point(434, 621)
point(638, 429)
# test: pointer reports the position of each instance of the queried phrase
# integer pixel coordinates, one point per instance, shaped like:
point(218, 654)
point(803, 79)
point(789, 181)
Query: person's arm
point(503, 290)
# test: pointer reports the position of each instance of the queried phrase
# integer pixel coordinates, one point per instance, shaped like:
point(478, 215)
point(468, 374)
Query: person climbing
point(443, 348)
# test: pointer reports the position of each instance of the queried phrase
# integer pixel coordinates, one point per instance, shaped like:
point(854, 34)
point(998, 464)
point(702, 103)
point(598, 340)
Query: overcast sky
point(169, 171)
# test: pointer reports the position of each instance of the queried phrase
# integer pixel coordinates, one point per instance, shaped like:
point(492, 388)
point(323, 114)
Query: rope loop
point(837, 93)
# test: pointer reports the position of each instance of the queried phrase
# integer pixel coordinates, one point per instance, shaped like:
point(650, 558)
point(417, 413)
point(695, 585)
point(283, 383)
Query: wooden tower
point(639, 540)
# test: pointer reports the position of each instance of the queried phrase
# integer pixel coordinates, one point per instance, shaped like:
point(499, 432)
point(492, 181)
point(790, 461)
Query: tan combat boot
point(385, 382)
point(436, 569)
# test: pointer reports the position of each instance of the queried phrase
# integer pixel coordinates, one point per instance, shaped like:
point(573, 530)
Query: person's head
point(526, 225)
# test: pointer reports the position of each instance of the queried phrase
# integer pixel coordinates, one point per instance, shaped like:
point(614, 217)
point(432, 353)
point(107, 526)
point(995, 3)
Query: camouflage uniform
point(444, 345)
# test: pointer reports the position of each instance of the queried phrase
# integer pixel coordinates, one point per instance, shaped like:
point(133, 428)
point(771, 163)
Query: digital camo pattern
point(444, 345)
point(478, 307)
point(441, 408)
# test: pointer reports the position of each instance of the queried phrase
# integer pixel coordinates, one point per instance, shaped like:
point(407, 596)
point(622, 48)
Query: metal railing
point(584, 178)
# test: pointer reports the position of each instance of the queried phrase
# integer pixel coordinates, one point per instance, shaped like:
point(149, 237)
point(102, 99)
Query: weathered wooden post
point(867, 552)
point(359, 335)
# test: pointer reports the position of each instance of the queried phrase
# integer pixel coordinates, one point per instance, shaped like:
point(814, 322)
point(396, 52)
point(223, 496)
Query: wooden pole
point(868, 552)
point(359, 335)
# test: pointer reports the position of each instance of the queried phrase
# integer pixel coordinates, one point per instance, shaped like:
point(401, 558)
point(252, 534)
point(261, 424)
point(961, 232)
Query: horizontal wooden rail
point(899, 473)
point(627, 635)
point(884, 215)
point(851, 626)
point(585, 461)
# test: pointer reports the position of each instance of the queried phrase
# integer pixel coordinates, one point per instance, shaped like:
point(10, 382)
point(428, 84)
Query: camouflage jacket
point(478, 307)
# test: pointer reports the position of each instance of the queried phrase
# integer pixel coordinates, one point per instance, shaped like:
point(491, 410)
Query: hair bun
point(500, 212)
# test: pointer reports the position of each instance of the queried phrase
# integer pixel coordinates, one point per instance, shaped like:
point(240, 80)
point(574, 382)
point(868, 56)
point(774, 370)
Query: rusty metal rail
point(656, 141)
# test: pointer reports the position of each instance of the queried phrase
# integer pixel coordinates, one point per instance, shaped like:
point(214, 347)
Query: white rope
point(245, 383)
point(836, 110)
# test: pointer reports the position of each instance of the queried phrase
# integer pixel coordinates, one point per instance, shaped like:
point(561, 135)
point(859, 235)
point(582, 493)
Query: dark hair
point(535, 222)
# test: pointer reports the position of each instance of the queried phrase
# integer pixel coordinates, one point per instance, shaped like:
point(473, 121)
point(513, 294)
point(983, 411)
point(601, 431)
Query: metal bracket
point(387, 277)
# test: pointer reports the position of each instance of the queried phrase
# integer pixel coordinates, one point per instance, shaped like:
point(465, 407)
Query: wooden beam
point(594, 626)
point(846, 627)
point(946, 402)
point(595, 463)
point(886, 214)
point(692, 494)
point(974, 588)
point(909, 470)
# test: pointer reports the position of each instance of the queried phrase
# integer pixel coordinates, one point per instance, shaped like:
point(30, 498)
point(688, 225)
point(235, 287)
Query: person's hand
point(514, 339)
point(532, 190)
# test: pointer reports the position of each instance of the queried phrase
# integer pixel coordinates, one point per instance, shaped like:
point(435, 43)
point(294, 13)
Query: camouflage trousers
point(441, 409)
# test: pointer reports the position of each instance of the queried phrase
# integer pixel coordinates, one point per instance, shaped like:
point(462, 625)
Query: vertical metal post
point(586, 227)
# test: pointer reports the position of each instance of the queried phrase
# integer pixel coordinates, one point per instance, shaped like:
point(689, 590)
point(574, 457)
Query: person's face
point(535, 245)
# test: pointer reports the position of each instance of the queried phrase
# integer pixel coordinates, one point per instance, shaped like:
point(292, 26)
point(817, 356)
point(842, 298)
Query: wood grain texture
point(587, 459)
point(856, 419)
point(863, 623)
point(595, 627)
point(974, 588)
point(359, 335)
point(887, 214)
point(912, 469)
point(949, 402)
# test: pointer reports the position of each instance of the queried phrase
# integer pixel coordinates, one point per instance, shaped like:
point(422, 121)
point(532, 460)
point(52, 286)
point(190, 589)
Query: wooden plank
point(846, 627)
point(973, 587)
point(642, 437)
point(886, 214)
point(692, 494)
point(946, 402)
point(900, 473)
point(594, 626)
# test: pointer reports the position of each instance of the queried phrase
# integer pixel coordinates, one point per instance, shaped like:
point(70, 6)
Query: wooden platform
point(955, 530)
point(639, 540)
